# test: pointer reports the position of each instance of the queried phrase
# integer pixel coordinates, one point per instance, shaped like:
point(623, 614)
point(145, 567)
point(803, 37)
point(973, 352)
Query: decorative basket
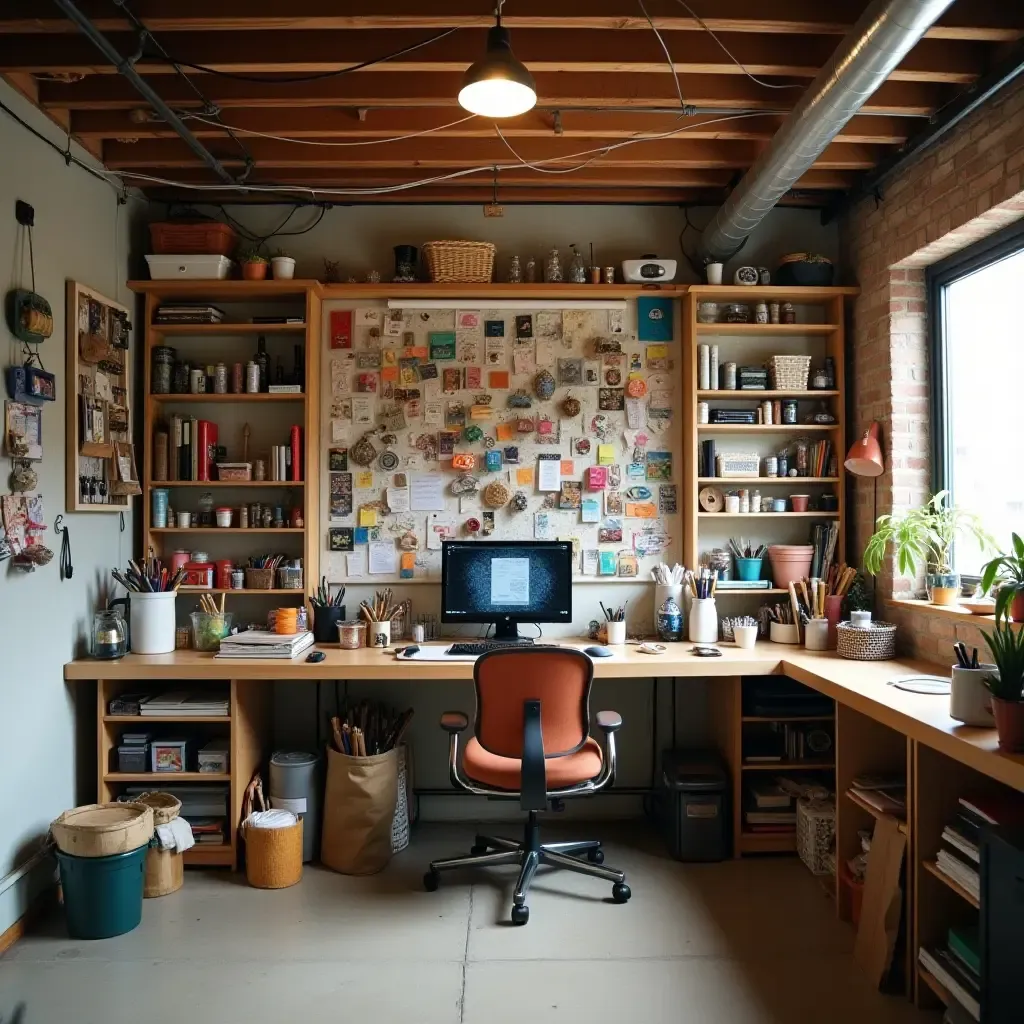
point(790, 373)
point(815, 834)
point(739, 464)
point(102, 830)
point(863, 643)
point(461, 262)
point(234, 471)
point(259, 579)
point(273, 856)
point(203, 237)
point(165, 806)
point(290, 578)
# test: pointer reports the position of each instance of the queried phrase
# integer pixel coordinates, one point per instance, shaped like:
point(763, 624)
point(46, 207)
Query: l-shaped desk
point(878, 729)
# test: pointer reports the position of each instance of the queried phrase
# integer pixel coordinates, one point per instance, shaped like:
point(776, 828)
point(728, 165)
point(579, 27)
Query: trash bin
point(692, 805)
point(102, 895)
point(295, 787)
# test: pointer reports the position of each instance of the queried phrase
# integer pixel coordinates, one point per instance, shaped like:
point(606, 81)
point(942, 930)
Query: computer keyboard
point(485, 646)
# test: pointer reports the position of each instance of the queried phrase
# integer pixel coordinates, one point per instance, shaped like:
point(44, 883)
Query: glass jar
point(180, 378)
point(109, 635)
point(515, 271)
point(789, 411)
point(577, 267)
point(530, 273)
point(553, 267)
point(206, 509)
point(800, 458)
point(163, 369)
point(220, 379)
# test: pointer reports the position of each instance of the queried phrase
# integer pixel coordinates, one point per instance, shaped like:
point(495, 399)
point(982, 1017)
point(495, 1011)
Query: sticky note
point(361, 535)
point(408, 565)
point(367, 517)
point(498, 379)
point(568, 467)
point(606, 454)
point(524, 476)
point(505, 431)
point(364, 479)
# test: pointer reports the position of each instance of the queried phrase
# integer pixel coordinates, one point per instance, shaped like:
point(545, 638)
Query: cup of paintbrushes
point(378, 634)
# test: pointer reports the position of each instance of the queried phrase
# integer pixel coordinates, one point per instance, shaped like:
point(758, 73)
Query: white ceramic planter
point(153, 622)
point(284, 267)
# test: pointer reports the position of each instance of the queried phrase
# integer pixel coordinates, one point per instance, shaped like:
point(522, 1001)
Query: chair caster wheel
point(620, 892)
point(431, 880)
point(595, 856)
point(478, 849)
point(520, 915)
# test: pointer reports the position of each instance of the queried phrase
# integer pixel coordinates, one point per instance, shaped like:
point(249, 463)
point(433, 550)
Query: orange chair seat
point(482, 766)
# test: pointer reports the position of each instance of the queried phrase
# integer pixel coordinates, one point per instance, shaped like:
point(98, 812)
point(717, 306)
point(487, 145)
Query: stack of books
point(258, 643)
point(187, 313)
point(959, 857)
point(957, 968)
point(886, 793)
point(182, 704)
point(768, 808)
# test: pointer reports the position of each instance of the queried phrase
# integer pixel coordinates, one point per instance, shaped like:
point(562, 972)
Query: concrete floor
point(752, 942)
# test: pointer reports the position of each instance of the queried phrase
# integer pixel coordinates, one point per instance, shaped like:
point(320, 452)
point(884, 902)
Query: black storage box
point(691, 804)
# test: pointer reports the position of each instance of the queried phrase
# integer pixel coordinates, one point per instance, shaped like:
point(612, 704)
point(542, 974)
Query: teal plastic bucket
point(748, 569)
point(102, 895)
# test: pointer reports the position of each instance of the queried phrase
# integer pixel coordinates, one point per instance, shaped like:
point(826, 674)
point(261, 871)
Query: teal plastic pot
point(748, 569)
point(102, 895)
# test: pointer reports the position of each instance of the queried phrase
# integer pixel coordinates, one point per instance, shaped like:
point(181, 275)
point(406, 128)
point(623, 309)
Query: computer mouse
point(410, 651)
point(598, 652)
point(315, 656)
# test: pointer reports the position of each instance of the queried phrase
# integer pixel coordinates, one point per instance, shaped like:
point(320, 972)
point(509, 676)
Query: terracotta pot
point(1017, 607)
point(1009, 716)
point(790, 562)
point(254, 271)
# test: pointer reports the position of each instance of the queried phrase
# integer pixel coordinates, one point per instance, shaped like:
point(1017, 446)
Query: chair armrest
point(454, 722)
point(609, 721)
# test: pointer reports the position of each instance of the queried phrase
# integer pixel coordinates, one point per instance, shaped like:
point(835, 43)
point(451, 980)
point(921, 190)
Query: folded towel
point(270, 819)
point(177, 836)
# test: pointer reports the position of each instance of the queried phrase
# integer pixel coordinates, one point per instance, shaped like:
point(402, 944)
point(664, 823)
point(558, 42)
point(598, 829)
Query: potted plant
point(284, 266)
point(1007, 688)
point(926, 534)
point(254, 264)
point(1008, 571)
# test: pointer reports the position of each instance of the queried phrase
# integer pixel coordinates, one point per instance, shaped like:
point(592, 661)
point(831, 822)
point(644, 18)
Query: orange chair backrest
point(559, 678)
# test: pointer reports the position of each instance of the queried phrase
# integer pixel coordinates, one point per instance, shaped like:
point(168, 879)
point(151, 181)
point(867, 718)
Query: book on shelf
point(959, 871)
point(206, 448)
point(885, 801)
point(744, 584)
point(964, 944)
point(956, 835)
point(958, 982)
point(182, 703)
point(294, 320)
point(284, 389)
point(991, 809)
point(769, 796)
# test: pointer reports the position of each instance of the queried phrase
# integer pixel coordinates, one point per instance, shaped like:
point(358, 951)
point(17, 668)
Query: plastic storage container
point(167, 756)
point(102, 895)
point(295, 786)
point(133, 757)
point(190, 266)
point(692, 805)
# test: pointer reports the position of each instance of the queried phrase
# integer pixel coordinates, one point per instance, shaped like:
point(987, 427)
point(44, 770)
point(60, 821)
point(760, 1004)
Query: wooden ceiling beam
point(982, 20)
point(345, 126)
point(304, 52)
point(558, 90)
point(428, 154)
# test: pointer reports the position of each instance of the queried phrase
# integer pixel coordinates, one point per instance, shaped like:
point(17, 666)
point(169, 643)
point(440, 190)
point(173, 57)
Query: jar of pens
point(668, 601)
point(614, 625)
point(703, 626)
point(211, 624)
point(152, 589)
point(813, 612)
point(328, 611)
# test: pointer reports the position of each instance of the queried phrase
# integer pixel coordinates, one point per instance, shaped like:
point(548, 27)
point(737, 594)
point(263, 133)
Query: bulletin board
point(500, 424)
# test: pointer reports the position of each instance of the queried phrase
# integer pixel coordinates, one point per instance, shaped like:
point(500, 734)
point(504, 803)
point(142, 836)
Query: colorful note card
point(505, 431)
point(498, 380)
point(641, 510)
point(590, 510)
point(568, 467)
point(407, 569)
point(606, 454)
point(367, 516)
point(609, 564)
point(361, 535)
point(597, 478)
point(524, 476)
point(654, 319)
point(364, 479)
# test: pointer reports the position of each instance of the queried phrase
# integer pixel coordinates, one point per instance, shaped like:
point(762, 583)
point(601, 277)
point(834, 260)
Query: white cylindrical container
point(153, 622)
point(703, 621)
point(284, 267)
point(662, 592)
point(745, 636)
point(816, 635)
point(616, 633)
point(732, 503)
point(969, 700)
point(378, 634)
point(860, 619)
point(783, 633)
point(714, 273)
point(184, 520)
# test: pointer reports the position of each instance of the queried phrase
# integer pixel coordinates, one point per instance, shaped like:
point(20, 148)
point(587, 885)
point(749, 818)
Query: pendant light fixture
point(498, 85)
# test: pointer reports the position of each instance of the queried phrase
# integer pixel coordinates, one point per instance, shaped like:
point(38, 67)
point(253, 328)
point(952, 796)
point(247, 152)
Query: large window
point(977, 309)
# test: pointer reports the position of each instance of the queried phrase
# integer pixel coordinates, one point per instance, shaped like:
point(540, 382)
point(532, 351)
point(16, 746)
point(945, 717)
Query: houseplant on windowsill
point(926, 534)
point(1007, 688)
point(284, 266)
point(254, 264)
point(1007, 570)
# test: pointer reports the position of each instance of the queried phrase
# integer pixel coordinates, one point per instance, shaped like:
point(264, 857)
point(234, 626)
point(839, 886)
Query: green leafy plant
point(1006, 569)
point(924, 534)
point(1007, 647)
point(252, 255)
point(281, 254)
point(858, 597)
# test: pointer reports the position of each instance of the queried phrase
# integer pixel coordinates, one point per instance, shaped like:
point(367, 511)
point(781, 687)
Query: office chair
point(532, 742)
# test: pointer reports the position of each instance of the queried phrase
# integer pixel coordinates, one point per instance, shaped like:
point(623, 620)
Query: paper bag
point(359, 807)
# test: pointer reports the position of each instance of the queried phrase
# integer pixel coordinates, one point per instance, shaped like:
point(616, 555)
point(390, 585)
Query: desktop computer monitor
point(505, 583)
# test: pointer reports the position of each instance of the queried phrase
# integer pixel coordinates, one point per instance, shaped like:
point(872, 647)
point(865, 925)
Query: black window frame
point(996, 247)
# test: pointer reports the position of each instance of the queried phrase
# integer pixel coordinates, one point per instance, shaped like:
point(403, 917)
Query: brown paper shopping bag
point(359, 807)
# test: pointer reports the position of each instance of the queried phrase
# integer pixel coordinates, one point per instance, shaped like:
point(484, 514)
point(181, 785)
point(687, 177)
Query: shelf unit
point(291, 298)
point(821, 335)
point(246, 726)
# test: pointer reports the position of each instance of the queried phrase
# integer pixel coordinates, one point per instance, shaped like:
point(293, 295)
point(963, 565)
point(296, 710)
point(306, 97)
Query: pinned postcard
point(367, 516)
point(597, 478)
point(591, 561)
point(339, 538)
point(571, 496)
point(568, 467)
point(498, 380)
point(355, 564)
point(337, 460)
point(667, 500)
point(610, 532)
point(505, 431)
point(543, 526)
point(468, 348)
point(364, 479)
point(407, 568)
point(524, 358)
point(383, 558)
point(524, 476)
point(439, 528)
point(659, 466)
point(545, 352)
point(654, 319)
point(494, 328)
point(397, 498)
point(474, 377)
point(549, 474)
point(467, 320)
point(614, 503)
point(609, 563)
point(548, 324)
point(605, 454)
point(590, 509)
point(628, 564)
point(658, 357)
point(641, 510)
point(341, 495)
point(362, 410)
point(341, 328)
point(442, 345)
point(494, 352)
point(524, 326)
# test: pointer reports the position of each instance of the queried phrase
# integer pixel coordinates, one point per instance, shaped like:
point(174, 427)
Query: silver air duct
point(867, 56)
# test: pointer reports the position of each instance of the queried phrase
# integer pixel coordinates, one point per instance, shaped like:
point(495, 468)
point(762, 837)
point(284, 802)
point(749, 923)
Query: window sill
point(945, 611)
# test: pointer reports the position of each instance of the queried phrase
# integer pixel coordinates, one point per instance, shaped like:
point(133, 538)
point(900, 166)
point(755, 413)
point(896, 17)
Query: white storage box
point(192, 266)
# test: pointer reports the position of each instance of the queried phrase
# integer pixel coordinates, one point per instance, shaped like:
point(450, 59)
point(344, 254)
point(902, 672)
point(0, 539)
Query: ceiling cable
point(668, 57)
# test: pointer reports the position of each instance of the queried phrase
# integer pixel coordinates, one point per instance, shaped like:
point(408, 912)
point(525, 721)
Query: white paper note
point(549, 475)
point(397, 499)
point(426, 492)
point(591, 557)
point(383, 557)
point(510, 581)
point(355, 563)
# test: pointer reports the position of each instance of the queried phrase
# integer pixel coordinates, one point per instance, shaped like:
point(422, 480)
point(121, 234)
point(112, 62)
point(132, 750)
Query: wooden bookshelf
point(855, 798)
point(933, 869)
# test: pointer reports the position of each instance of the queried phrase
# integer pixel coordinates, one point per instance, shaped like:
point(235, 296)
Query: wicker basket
point(165, 807)
point(101, 830)
point(259, 579)
point(876, 642)
point(273, 856)
point(790, 373)
point(461, 262)
point(206, 237)
point(815, 834)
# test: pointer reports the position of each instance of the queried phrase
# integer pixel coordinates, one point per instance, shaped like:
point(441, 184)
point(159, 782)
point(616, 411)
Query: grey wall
point(46, 748)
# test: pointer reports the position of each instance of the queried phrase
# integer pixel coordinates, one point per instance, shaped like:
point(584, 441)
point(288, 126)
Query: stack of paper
point(259, 643)
point(181, 704)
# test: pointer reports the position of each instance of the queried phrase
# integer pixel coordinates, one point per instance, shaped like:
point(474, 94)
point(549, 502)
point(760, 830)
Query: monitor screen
point(506, 581)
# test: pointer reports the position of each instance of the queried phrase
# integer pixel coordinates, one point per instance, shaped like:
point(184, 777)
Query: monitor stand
point(507, 633)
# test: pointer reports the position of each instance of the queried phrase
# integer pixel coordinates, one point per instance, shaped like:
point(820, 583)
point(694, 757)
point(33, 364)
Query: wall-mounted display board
point(463, 418)
point(101, 466)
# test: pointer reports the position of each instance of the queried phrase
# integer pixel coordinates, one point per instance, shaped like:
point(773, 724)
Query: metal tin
point(237, 579)
point(224, 572)
point(181, 638)
point(197, 381)
point(703, 412)
point(243, 517)
point(608, 275)
point(163, 369)
point(773, 313)
point(766, 412)
point(237, 378)
point(771, 466)
point(788, 313)
point(252, 378)
point(220, 379)
point(729, 377)
point(159, 497)
point(180, 379)
point(760, 313)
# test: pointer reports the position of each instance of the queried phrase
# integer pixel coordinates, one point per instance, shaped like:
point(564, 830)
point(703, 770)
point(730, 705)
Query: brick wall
point(956, 193)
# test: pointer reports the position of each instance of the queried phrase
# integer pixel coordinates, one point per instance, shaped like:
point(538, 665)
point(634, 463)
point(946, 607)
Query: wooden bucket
point(273, 856)
point(165, 872)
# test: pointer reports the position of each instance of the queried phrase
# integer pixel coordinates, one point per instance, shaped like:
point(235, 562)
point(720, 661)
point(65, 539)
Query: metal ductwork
point(881, 38)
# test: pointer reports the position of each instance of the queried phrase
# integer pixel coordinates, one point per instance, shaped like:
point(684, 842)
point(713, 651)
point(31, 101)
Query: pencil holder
point(784, 633)
point(325, 623)
point(616, 633)
point(748, 569)
point(833, 613)
point(378, 634)
point(703, 621)
point(816, 635)
point(969, 700)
